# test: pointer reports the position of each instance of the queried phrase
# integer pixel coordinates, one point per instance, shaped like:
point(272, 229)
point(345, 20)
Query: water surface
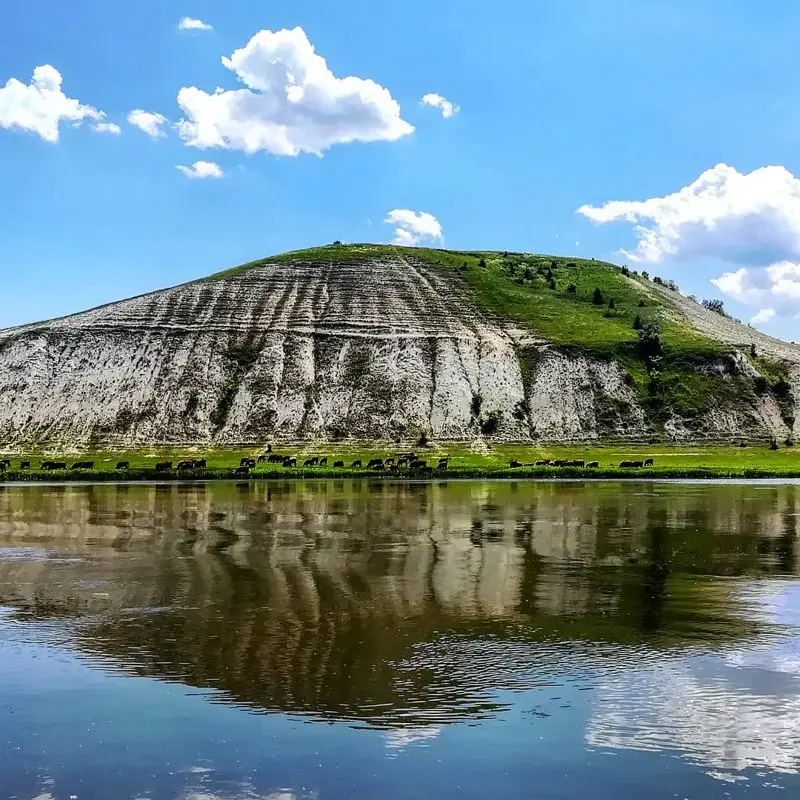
point(354, 640)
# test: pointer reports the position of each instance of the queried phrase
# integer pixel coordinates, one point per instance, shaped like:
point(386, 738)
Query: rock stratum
point(372, 343)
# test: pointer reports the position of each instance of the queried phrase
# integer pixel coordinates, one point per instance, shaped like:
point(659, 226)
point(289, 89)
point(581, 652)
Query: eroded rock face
point(376, 349)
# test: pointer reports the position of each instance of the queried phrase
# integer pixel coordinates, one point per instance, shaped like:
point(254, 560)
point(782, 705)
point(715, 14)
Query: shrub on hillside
point(597, 297)
point(637, 323)
point(491, 422)
point(717, 306)
point(572, 289)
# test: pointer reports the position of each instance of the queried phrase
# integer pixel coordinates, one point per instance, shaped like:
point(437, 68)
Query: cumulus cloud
point(201, 169)
point(40, 106)
point(107, 127)
point(447, 108)
point(750, 221)
point(190, 24)
point(148, 121)
point(413, 227)
point(292, 103)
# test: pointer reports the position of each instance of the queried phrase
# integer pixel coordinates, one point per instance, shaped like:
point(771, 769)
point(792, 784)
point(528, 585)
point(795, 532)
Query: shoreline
point(62, 477)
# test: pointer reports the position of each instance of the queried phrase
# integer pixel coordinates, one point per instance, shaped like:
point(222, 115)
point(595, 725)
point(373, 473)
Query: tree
point(611, 304)
point(646, 275)
point(717, 306)
point(491, 422)
point(475, 405)
point(597, 297)
point(650, 340)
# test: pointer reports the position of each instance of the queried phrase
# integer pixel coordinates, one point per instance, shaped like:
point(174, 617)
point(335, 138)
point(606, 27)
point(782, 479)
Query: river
point(350, 639)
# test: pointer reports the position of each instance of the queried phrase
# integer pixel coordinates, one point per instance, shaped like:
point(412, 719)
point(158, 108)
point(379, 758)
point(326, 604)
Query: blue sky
point(562, 106)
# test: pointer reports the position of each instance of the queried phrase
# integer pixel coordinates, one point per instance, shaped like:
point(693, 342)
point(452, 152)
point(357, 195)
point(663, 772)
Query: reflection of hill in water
point(385, 602)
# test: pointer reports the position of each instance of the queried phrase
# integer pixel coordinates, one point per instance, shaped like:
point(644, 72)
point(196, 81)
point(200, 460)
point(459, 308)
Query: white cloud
point(775, 290)
point(107, 127)
point(148, 121)
point(292, 103)
point(40, 106)
point(413, 227)
point(750, 221)
point(190, 24)
point(447, 108)
point(201, 169)
point(747, 220)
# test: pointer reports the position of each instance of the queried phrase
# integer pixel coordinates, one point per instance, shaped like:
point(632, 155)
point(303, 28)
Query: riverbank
point(478, 460)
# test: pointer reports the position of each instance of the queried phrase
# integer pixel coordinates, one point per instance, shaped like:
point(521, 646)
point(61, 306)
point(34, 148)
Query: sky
point(146, 144)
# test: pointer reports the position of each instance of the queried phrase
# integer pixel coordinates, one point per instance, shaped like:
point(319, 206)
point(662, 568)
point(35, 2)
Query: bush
point(624, 269)
point(773, 445)
point(646, 275)
point(520, 411)
point(717, 306)
point(572, 289)
point(423, 440)
point(337, 243)
point(482, 262)
point(650, 340)
point(760, 384)
point(475, 405)
point(642, 304)
point(597, 297)
point(491, 422)
point(781, 387)
point(637, 323)
point(527, 274)
point(551, 284)
point(612, 305)
point(629, 380)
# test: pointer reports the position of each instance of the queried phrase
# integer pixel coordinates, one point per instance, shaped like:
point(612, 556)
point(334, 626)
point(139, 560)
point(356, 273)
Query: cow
point(24, 464)
point(442, 465)
point(187, 463)
point(200, 463)
point(163, 466)
point(543, 462)
point(559, 462)
point(275, 459)
point(243, 462)
point(5, 463)
point(309, 462)
point(338, 464)
point(394, 468)
point(323, 462)
point(251, 462)
point(402, 462)
point(58, 465)
point(426, 471)
point(3, 467)
point(648, 462)
point(83, 465)
point(389, 461)
point(592, 465)
point(375, 463)
point(576, 464)
point(631, 464)
point(261, 459)
point(514, 464)
point(242, 471)
point(289, 462)
point(46, 465)
point(357, 463)
point(123, 465)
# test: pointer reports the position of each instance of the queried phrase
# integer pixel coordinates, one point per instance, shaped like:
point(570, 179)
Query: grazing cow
point(592, 465)
point(542, 462)
point(242, 472)
point(187, 463)
point(275, 459)
point(200, 463)
point(443, 462)
point(251, 462)
point(338, 464)
point(648, 462)
point(83, 465)
point(5, 463)
point(559, 462)
point(394, 468)
point(309, 462)
point(576, 464)
point(315, 461)
point(163, 466)
point(375, 463)
point(3, 466)
point(24, 464)
point(356, 463)
point(631, 464)
point(262, 459)
point(289, 462)
point(402, 462)
point(47, 465)
point(442, 466)
point(323, 462)
point(58, 465)
point(244, 461)
point(123, 465)
point(514, 464)
point(426, 471)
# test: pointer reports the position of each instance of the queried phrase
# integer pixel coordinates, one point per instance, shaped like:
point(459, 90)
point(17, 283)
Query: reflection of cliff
point(305, 597)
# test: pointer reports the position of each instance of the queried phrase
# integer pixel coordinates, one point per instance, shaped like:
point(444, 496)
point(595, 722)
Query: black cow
point(242, 471)
point(375, 463)
point(58, 465)
point(244, 462)
point(338, 464)
point(323, 462)
point(542, 462)
point(402, 462)
point(24, 464)
point(123, 465)
point(631, 464)
point(592, 465)
point(514, 464)
point(83, 465)
point(289, 462)
point(309, 462)
point(262, 459)
point(163, 466)
point(200, 463)
point(648, 462)
point(47, 465)
point(389, 461)
point(356, 463)
point(187, 463)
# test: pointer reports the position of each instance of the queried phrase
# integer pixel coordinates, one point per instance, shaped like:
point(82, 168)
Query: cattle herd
point(406, 463)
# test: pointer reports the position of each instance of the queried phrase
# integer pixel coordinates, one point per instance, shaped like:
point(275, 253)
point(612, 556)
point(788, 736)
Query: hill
point(375, 341)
